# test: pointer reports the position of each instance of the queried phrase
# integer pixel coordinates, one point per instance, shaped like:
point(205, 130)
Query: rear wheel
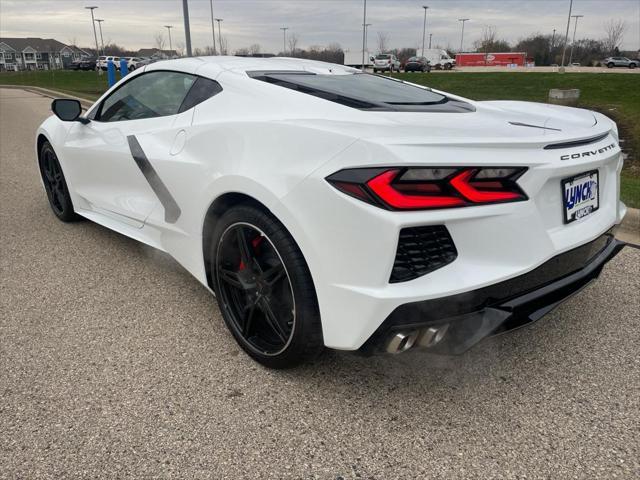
point(264, 288)
point(55, 184)
point(632, 65)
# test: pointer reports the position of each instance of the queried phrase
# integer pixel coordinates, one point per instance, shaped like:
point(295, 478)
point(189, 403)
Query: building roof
point(38, 44)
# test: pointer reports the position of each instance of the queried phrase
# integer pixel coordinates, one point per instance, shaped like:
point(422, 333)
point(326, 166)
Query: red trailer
point(502, 59)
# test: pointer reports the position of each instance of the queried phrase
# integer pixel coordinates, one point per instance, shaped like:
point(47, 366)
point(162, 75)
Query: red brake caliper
point(255, 243)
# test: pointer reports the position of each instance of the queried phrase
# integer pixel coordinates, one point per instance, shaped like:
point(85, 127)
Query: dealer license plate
point(580, 195)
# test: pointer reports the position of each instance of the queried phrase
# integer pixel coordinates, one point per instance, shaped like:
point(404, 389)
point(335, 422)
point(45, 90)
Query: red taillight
point(381, 186)
point(427, 188)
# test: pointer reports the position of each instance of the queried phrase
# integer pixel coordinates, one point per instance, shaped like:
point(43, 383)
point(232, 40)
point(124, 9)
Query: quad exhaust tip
point(425, 338)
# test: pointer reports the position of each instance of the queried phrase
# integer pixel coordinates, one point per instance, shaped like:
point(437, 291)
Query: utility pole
point(284, 40)
point(463, 20)
point(95, 35)
point(366, 36)
point(213, 29)
point(566, 37)
point(424, 27)
point(364, 33)
point(220, 34)
point(169, 27)
point(101, 38)
point(187, 30)
point(430, 35)
point(574, 36)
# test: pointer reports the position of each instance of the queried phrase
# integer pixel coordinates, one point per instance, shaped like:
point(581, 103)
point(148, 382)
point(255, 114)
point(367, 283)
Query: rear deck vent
point(422, 250)
point(575, 143)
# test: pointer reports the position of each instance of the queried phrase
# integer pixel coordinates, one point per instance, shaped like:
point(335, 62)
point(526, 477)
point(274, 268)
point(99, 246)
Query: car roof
point(211, 66)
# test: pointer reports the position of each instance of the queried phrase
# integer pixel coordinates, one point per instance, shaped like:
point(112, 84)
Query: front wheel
point(610, 65)
point(264, 288)
point(632, 65)
point(55, 184)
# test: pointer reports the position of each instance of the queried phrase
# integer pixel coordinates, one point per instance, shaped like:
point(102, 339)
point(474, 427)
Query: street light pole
point(430, 35)
point(284, 40)
point(169, 27)
point(364, 33)
point(566, 36)
point(213, 29)
point(187, 30)
point(95, 35)
point(463, 20)
point(101, 38)
point(424, 27)
point(366, 36)
point(574, 36)
point(220, 34)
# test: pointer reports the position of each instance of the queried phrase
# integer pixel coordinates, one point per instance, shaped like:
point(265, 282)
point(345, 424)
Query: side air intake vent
point(422, 250)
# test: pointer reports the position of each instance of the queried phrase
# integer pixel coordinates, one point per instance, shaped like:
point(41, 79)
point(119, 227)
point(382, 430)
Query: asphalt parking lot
point(115, 363)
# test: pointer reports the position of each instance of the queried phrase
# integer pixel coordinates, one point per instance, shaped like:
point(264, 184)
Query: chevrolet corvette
point(328, 207)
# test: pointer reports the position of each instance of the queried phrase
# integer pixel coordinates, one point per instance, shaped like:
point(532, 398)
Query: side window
point(154, 94)
point(202, 89)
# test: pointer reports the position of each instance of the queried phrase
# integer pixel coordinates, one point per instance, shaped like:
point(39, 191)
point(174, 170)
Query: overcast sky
point(134, 23)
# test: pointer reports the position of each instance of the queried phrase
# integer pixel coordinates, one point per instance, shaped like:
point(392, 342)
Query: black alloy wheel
point(255, 287)
point(55, 184)
point(264, 288)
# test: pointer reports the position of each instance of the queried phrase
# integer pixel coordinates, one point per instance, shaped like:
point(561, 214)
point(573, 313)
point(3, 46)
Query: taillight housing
point(419, 188)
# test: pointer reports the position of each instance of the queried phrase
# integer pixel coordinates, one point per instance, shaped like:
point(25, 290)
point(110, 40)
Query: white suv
point(386, 61)
point(102, 62)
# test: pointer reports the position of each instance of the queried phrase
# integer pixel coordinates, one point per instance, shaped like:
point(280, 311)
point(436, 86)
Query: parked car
point(386, 62)
point(611, 62)
point(135, 62)
point(83, 64)
point(417, 64)
point(343, 209)
point(102, 62)
point(439, 59)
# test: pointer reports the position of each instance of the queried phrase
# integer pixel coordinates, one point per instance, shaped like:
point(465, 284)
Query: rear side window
point(202, 89)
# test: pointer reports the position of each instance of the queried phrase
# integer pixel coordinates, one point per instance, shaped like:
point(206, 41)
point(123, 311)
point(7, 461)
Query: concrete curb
point(629, 230)
point(86, 103)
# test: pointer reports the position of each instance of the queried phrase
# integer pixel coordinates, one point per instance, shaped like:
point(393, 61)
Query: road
point(115, 363)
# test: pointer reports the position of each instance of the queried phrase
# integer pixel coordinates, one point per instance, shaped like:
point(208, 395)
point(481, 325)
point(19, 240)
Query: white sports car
point(328, 207)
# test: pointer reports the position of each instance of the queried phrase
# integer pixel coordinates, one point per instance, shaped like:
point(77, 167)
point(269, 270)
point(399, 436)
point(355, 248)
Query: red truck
point(492, 59)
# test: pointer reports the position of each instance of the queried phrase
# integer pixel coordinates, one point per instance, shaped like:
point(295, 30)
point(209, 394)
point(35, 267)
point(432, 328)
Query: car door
point(106, 160)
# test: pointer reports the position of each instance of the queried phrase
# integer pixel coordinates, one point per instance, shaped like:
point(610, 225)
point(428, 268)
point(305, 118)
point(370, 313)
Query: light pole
point(284, 40)
point(187, 30)
point(366, 36)
point(169, 27)
point(463, 20)
point(364, 33)
point(574, 36)
point(213, 29)
point(101, 38)
point(566, 36)
point(424, 27)
point(220, 34)
point(430, 35)
point(95, 35)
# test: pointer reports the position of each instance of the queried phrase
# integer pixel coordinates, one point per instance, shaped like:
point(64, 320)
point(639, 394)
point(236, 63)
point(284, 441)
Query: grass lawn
point(615, 95)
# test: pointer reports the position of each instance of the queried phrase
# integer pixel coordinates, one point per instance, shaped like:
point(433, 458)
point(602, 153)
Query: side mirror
point(67, 110)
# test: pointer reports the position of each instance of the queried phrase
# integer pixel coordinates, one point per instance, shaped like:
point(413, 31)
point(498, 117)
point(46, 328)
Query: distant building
point(156, 53)
point(37, 54)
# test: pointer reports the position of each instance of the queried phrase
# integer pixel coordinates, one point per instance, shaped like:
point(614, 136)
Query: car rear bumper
point(465, 319)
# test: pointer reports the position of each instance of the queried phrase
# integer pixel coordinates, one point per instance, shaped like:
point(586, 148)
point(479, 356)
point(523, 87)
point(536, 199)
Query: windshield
point(383, 57)
point(357, 90)
point(414, 59)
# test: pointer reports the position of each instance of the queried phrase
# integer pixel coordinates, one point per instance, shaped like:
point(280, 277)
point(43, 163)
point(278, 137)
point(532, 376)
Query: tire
point(375, 71)
point(55, 185)
point(632, 65)
point(243, 284)
point(447, 66)
point(610, 65)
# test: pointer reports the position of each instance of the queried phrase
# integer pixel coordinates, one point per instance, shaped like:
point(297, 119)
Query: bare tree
point(254, 49)
point(383, 42)
point(224, 45)
point(293, 40)
point(73, 41)
point(159, 41)
point(242, 52)
point(179, 48)
point(615, 32)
